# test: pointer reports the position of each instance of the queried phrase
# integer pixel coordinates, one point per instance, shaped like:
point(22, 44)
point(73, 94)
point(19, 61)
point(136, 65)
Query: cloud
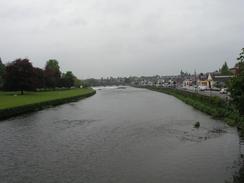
point(120, 37)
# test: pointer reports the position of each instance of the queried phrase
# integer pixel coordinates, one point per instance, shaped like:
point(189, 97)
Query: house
point(187, 82)
point(211, 80)
point(205, 80)
point(160, 83)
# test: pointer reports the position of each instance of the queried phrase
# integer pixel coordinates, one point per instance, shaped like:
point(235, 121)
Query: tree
point(236, 85)
point(225, 70)
point(239, 65)
point(77, 83)
point(19, 75)
point(68, 79)
point(2, 71)
point(38, 79)
point(181, 73)
point(241, 57)
point(2, 67)
point(53, 65)
point(90, 82)
point(52, 73)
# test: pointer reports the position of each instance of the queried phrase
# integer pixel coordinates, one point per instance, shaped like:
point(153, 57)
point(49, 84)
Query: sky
point(101, 38)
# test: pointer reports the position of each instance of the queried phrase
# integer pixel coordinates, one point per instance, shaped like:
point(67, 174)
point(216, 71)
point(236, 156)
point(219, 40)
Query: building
point(213, 80)
point(187, 82)
point(206, 80)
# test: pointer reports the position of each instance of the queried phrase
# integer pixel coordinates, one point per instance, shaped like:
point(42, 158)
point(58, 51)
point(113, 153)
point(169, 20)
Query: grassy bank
point(12, 104)
point(212, 105)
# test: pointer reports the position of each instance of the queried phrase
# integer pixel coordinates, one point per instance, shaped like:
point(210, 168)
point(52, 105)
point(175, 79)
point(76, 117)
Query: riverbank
point(12, 104)
point(212, 105)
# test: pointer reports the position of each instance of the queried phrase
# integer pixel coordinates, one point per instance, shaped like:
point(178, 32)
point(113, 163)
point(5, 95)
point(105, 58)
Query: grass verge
point(12, 104)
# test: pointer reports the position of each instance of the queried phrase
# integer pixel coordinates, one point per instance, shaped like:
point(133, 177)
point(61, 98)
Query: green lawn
point(14, 99)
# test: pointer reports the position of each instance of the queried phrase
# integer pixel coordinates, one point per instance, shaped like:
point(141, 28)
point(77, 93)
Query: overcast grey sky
point(97, 38)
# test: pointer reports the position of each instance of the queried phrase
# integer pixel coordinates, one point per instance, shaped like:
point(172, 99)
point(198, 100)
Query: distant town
point(216, 80)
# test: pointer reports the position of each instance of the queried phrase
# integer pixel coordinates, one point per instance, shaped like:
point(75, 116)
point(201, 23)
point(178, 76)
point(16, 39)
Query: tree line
point(21, 75)
point(236, 84)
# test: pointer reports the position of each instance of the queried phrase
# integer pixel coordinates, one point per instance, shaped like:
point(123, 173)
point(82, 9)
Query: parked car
point(202, 88)
point(215, 89)
point(223, 91)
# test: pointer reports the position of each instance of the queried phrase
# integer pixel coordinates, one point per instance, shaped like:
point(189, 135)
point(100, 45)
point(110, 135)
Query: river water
point(118, 136)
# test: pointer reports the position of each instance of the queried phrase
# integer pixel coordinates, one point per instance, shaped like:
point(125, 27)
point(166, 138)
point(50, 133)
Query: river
point(118, 136)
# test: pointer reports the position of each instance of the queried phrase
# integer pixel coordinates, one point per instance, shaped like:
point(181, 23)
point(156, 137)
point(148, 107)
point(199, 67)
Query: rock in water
point(197, 124)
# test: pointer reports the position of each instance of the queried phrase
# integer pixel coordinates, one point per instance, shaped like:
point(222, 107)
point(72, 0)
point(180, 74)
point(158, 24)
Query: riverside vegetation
point(231, 111)
point(26, 88)
point(212, 105)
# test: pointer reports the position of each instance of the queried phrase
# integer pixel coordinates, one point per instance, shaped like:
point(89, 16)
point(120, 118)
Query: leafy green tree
point(38, 79)
point(85, 84)
point(19, 75)
point(52, 73)
point(237, 85)
point(239, 65)
point(225, 70)
point(241, 56)
point(77, 83)
point(90, 82)
point(68, 79)
point(2, 71)
point(53, 65)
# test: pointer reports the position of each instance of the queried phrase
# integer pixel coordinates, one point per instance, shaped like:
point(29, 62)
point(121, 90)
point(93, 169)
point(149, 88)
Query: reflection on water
point(122, 135)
